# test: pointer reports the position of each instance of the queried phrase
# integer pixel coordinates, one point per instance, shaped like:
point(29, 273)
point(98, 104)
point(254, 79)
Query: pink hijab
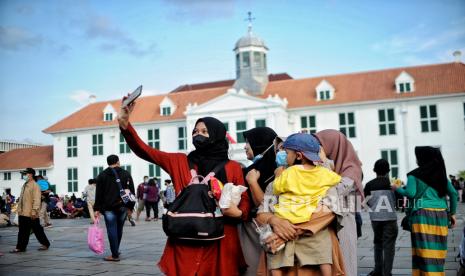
point(339, 149)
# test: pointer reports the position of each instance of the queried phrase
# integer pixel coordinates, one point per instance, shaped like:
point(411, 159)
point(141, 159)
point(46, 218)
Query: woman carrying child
point(300, 190)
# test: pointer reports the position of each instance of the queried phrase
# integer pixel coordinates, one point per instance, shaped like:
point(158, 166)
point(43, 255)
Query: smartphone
point(133, 96)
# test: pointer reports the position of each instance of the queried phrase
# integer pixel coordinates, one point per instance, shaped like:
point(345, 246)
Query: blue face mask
point(281, 158)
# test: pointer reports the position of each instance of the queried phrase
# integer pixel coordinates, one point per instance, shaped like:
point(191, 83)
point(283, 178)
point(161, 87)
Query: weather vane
point(250, 19)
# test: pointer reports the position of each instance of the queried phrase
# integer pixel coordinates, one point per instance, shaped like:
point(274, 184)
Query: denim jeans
point(114, 220)
point(385, 235)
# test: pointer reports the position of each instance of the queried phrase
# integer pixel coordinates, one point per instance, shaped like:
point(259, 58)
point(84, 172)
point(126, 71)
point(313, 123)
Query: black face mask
point(200, 141)
point(297, 162)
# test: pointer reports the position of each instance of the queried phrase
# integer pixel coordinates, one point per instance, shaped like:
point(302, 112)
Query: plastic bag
point(231, 194)
point(264, 231)
point(95, 238)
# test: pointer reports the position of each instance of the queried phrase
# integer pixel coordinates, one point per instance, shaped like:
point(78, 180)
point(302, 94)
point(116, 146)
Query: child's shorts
point(306, 250)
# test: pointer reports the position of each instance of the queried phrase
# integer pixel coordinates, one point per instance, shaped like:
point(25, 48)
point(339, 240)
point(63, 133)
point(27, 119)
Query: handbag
point(126, 195)
point(406, 222)
point(95, 239)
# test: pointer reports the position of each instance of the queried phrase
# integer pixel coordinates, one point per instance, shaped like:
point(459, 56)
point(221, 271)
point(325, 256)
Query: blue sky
point(54, 54)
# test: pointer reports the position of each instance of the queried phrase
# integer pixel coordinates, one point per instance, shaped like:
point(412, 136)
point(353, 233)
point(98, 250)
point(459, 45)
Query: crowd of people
point(298, 215)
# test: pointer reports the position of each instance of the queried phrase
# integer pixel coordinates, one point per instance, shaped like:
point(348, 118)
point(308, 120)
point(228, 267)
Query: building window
point(127, 168)
point(72, 146)
point(429, 118)
point(182, 138)
point(166, 111)
point(7, 176)
point(72, 180)
point(260, 123)
point(241, 126)
point(308, 124)
point(154, 138)
point(257, 60)
point(97, 144)
point(391, 157)
point(347, 124)
point(96, 171)
point(245, 59)
point(405, 87)
point(325, 95)
point(387, 122)
point(154, 171)
point(108, 117)
point(123, 146)
point(42, 172)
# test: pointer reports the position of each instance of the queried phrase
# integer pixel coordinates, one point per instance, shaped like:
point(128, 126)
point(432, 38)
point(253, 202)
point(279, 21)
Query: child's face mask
point(281, 158)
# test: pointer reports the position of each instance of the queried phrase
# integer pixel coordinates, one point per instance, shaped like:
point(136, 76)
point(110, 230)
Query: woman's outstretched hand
point(123, 115)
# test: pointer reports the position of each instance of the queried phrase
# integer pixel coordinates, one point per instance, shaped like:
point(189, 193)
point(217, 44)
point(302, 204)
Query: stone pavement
point(142, 247)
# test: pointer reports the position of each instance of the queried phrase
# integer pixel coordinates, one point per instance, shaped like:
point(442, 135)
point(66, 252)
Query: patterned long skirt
point(429, 241)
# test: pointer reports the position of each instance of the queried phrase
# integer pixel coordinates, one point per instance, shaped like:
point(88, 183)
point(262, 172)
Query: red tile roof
point(430, 80)
point(224, 83)
point(36, 157)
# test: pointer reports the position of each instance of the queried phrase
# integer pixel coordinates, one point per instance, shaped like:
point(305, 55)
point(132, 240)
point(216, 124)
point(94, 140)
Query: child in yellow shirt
point(300, 189)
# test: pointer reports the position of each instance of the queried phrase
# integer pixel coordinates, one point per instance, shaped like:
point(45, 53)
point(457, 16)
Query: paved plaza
point(142, 247)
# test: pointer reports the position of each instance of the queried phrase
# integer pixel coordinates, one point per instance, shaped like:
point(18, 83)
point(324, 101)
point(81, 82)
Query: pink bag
point(95, 238)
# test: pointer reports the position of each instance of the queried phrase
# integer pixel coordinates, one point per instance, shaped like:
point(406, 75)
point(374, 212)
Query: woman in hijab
point(427, 187)
point(337, 147)
point(259, 149)
point(221, 257)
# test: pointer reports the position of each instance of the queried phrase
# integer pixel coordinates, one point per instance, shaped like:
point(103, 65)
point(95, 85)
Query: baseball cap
point(28, 170)
point(305, 143)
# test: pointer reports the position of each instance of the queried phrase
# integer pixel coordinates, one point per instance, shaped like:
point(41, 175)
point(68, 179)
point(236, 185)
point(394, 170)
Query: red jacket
point(223, 257)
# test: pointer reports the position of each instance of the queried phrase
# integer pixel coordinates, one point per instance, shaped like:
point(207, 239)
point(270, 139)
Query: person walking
point(108, 202)
point(141, 196)
point(28, 212)
point(170, 193)
point(220, 257)
point(427, 188)
point(151, 201)
point(89, 191)
point(381, 200)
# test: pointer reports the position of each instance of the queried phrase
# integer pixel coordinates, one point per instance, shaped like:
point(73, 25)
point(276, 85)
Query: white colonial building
point(384, 113)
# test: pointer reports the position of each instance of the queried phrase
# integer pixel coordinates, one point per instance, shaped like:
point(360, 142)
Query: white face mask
point(26, 177)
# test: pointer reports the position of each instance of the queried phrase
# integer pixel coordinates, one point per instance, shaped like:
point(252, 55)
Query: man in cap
point(28, 213)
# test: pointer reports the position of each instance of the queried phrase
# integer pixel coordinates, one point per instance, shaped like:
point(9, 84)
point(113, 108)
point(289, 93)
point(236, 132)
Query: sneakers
point(48, 225)
point(131, 220)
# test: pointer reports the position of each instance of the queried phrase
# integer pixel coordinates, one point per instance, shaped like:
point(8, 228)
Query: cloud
point(15, 38)
point(25, 10)
point(112, 38)
point(200, 10)
point(418, 40)
point(82, 97)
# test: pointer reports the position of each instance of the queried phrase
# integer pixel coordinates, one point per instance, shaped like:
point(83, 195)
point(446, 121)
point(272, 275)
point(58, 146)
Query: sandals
point(43, 248)
point(111, 259)
point(14, 251)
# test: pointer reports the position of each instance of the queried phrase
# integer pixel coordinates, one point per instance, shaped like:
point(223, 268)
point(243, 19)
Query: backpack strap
point(118, 180)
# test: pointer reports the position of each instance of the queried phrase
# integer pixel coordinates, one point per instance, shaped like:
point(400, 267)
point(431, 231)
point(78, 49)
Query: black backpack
point(194, 214)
